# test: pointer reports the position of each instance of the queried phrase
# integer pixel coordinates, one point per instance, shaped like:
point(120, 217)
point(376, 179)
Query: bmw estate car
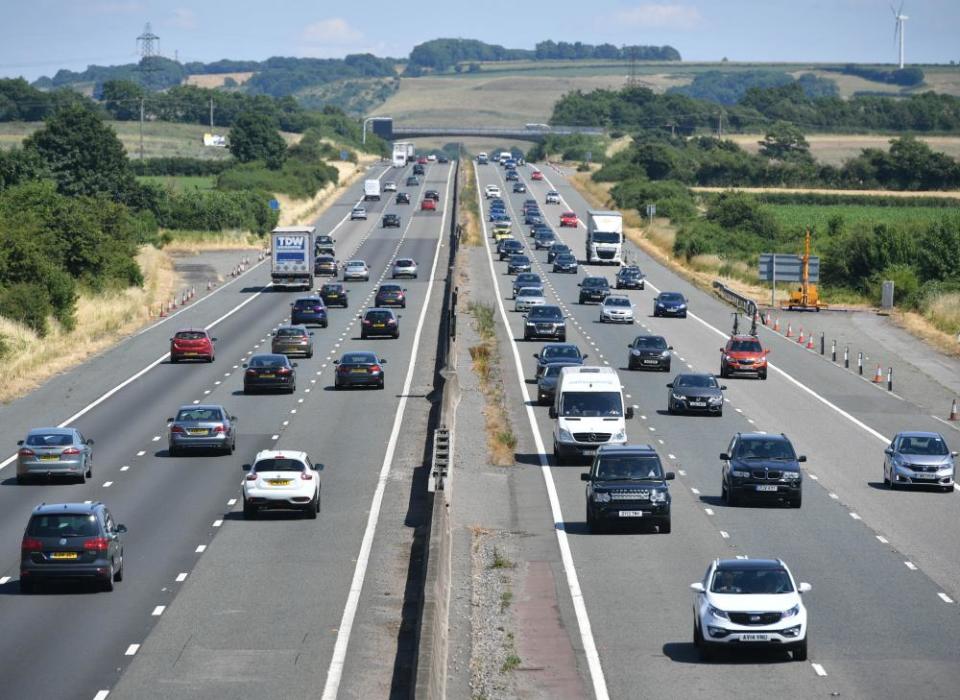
point(380, 322)
point(334, 294)
point(285, 479)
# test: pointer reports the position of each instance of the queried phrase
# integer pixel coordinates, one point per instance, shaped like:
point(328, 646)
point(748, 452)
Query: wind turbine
point(899, 19)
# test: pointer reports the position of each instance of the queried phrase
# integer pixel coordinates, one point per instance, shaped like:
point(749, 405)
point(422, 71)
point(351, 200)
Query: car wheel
point(723, 372)
point(800, 651)
point(763, 374)
point(886, 481)
point(210, 359)
point(796, 502)
point(683, 315)
point(594, 524)
point(82, 478)
point(664, 526)
point(666, 367)
point(171, 451)
point(118, 576)
point(396, 335)
point(325, 324)
point(403, 305)
point(558, 456)
point(671, 410)
point(107, 583)
point(292, 389)
point(89, 470)
point(719, 414)
point(380, 385)
point(697, 637)
point(732, 499)
point(363, 336)
point(948, 489)
point(249, 511)
point(27, 587)
point(563, 337)
point(310, 512)
point(21, 479)
point(310, 354)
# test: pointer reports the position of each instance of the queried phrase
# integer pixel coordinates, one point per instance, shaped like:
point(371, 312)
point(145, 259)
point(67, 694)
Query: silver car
point(356, 270)
point(528, 297)
point(389, 187)
point(616, 308)
point(201, 427)
point(405, 267)
point(54, 452)
point(358, 213)
point(918, 459)
point(553, 197)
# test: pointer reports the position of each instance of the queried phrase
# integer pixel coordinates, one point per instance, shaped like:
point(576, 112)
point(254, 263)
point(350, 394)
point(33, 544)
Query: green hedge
point(296, 178)
point(179, 166)
point(199, 210)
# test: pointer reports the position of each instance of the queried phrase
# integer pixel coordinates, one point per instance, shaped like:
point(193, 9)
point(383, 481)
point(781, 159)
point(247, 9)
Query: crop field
point(797, 217)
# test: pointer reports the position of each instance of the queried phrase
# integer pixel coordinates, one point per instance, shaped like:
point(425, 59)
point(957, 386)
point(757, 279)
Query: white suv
point(491, 191)
point(746, 602)
point(282, 479)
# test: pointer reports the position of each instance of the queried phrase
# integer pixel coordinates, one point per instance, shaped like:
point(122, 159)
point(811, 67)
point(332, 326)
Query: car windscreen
point(391, 288)
point(531, 292)
point(616, 301)
point(190, 335)
point(624, 467)
point(560, 351)
point(751, 581)
point(591, 404)
point(528, 279)
point(598, 282)
point(269, 361)
point(359, 358)
point(379, 316)
point(545, 313)
point(519, 260)
point(357, 265)
point(327, 288)
point(923, 446)
point(279, 465)
point(290, 333)
point(566, 258)
point(765, 449)
point(404, 262)
point(325, 259)
point(199, 414)
point(605, 237)
point(695, 380)
point(307, 303)
point(671, 296)
point(650, 343)
point(746, 346)
point(49, 440)
point(63, 525)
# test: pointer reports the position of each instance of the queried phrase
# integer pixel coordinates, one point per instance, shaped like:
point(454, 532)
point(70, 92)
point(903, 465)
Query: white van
point(589, 412)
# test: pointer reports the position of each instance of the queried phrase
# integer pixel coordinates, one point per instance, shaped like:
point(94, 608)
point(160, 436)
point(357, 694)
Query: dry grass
point(469, 214)
point(215, 80)
point(938, 323)
point(102, 320)
point(294, 211)
point(485, 357)
point(945, 194)
point(834, 149)
point(203, 241)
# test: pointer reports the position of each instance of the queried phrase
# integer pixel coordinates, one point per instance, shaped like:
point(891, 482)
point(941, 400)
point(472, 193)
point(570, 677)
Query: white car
point(432, 158)
point(745, 602)
point(358, 213)
point(356, 270)
point(282, 479)
point(491, 191)
point(404, 267)
point(553, 197)
point(616, 308)
point(389, 187)
point(528, 297)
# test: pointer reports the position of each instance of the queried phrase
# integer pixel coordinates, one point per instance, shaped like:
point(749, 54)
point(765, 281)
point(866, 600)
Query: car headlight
point(658, 496)
point(659, 304)
point(681, 306)
point(665, 353)
point(740, 474)
point(728, 358)
point(564, 434)
point(634, 352)
point(677, 397)
point(717, 612)
point(716, 399)
point(618, 436)
point(795, 610)
point(791, 476)
point(601, 497)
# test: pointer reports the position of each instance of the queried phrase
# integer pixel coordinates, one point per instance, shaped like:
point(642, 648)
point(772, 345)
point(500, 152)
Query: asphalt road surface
point(252, 608)
point(883, 565)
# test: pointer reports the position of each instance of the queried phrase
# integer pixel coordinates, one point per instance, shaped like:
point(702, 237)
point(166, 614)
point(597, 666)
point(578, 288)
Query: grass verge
point(469, 214)
point(200, 241)
point(485, 357)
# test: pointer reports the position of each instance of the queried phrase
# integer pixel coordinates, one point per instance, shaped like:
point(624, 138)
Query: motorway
point(212, 605)
point(884, 565)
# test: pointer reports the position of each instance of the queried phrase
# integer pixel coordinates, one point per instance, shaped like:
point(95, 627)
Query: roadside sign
point(589, 156)
point(344, 155)
point(651, 210)
point(789, 268)
point(274, 204)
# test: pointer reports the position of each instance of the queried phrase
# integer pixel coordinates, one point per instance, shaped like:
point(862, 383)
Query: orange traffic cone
point(878, 376)
point(776, 325)
point(801, 338)
point(953, 411)
point(810, 342)
point(789, 331)
point(163, 313)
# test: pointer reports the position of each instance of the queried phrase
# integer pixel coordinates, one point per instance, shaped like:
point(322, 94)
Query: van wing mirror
point(629, 412)
point(553, 413)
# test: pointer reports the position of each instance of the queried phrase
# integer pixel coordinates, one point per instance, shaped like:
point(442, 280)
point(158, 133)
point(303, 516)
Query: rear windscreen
point(63, 525)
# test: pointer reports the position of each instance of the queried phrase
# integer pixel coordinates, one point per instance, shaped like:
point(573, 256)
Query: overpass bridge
point(385, 129)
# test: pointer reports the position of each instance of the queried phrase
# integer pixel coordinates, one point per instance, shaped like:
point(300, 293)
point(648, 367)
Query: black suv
point(626, 483)
point(761, 466)
point(545, 322)
point(630, 277)
point(418, 169)
point(594, 289)
point(390, 221)
point(509, 247)
point(73, 541)
point(402, 198)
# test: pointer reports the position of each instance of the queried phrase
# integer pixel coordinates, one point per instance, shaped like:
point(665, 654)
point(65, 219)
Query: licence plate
point(358, 371)
point(379, 325)
point(699, 404)
point(754, 637)
point(189, 353)
point(49, 458)
point(64, 555)
point(268, 376)
point(200, 431)
point(280, 482)
point(649, 362)
point(925, 476)
point(766, 487)
point(631, 513)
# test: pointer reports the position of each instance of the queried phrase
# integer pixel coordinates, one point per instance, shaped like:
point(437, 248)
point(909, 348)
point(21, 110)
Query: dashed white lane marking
point(4, 580)
point(156, 438)
point(181, 577)
point(750, 421)
point(724, 534)
point(945, 598)
point(814, 477)
point(660, 440)
point(672, 456)
point(232, 502)
point(226, 374)
point(206, 392)
point(819, 670)
point(274, 437)
point(834, 496)
point(132, 650)
point(682, 472)
point(158, 611)
point(125, 467)
point(910, 565)
point(650, 427)
point(286, 422)
point(301, 400)
point(217, 523)
point(201, 548)
point(643, 417)
point(107, 484)
point(101, 695)
point(738, 410)
point(293, 410)
point(695, 491)
point(306, 391)
point(196, 401)
point(141, 453)
point(708, 511)
point(855, 516)
point(882, 540)
point(235, 366)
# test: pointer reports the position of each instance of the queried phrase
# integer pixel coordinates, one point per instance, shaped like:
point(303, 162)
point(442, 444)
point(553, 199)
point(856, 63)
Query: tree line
point(728, 88)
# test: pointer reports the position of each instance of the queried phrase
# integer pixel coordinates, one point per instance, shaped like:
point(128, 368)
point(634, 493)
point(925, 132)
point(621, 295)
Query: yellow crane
point(806, 298)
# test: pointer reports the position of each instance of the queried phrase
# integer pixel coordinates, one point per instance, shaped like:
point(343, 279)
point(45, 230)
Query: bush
point(296, 178)
point(906, 285)
point(215, 211)
point(27, 303)
point(179, 166)
point(673, 199)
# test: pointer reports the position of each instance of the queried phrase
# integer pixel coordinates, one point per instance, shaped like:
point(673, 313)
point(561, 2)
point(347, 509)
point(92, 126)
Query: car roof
point(47, 508)
point(616, 296)
point(695, 374)
point(743, 336)
point(355, 262)
point(380, 308)
point(273, 454)
point(919, 434)
point(764, 436)
point(750, 564)
point(642, 448)
point(271, 355)
point(199, 406)
point(52, 431)
point(390, 285)
point(560, 345)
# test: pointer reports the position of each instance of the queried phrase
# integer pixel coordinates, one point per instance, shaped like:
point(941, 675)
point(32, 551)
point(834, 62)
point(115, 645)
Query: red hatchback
point(569, 218)
point(428, 205)
point(536, 175)
point(422, 160)
point(191, 344)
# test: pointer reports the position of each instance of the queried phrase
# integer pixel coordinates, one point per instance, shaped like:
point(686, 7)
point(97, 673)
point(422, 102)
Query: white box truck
point(588, 411)
point(371, 190)
point(401, 151)
point(604, 237)
point(292, 257)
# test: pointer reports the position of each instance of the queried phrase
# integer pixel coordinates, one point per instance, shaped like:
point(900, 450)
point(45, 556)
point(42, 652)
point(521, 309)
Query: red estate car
point(569, 218)
point(743, 354)
point(191, 344)
point(536, 175)
point(428, 205)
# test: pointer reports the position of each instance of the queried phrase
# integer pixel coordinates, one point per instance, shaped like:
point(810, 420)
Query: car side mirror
point(670, 385)
point(724, 456)
point(171, 340)
point(310, 333)
point(244, 365)
point(802, 458)
point(19, 442)
point(89, 442)
point(888, 451)
point(953, 454)
point(553, 413)
point(382, 361)
point(629, 412)
point(336, 362)
point(697, 587)
point(585, 477)
point(723, 387)
point(766, 352)
point(246, 467)
point(233, 418)
point(804, 587)
point(294, 365)
point(585, 356)
point(669, 476)
point(170, 419)
point(669, 347)
point(122, 529)
point(318, 467)
point(291, 303)
point(536, 356)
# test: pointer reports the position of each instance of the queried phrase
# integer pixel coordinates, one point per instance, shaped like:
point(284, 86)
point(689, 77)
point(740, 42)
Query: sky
point(37, 37)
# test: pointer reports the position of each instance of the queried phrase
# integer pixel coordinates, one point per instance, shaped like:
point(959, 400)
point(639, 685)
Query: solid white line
point(910, 565)
point(855, 516)
point(819, 670)
point(158, 611)
point(338, 659)
point(132, 650)
point(4, 579)
point(945, 598)
point(573, 581)
point(181, 577)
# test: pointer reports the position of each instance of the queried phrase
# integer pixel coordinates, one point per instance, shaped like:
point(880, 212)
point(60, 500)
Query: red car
point(428, 205)
point(536, 175)
point(191, 344)
point(422, 160)
point(743, 354)
point(569, 218)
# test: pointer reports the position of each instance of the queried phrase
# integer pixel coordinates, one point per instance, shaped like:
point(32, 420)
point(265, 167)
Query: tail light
point(284, 370)
point(251, 373)
point(26, 452)
point(219, 428)
point(96, 544)
point(306, 476)
point(366, 322)
point(392, 322)
point(343, 369)
point(252, 476)
point(177, 429)
point(375, 368)
point(71, 451)
point(31, 544)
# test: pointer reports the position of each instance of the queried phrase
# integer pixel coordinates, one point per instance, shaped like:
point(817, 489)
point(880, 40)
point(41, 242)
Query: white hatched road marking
point(132, 650)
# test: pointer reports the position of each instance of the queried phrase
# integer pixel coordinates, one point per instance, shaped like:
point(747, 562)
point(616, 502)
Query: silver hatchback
point(404, 267)
point(54, 452)
point(919, 459)
point(201, 427)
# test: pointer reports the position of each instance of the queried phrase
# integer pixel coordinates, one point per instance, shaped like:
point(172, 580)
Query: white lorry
point(588, 411)
point(292, 257)
point(604, 237)
point(401, 153)
point(371, 190)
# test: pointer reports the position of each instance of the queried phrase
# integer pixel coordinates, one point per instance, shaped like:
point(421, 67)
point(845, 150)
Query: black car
point(380, 322)
point(530, 203)
point(544, 239)
point(391, 295)
point(418, 169)
point(509, 247)
point(545, 322)
point(390, 221)
point(526, 279)
point(273, 371)
point(325, 266)
point(670, 304)
point(552, 353)
point(540, 229)
point(630, 277)
point(512, 176)
point(532, 217)
point(432, 194)
point(324, 244)
point(359, 369)
point(627, 484)
point(649, 352)
point(518, 263)
point(554, 250)
point(412, 181)
point(761, 466)
point(442, 159)
point(565, 262)
point(695, 392)
point(519, 188)
point(594, 289)
point(547, 382)
point(71, 541)
point(334, 294)
point(403, 197)
point(307, 310)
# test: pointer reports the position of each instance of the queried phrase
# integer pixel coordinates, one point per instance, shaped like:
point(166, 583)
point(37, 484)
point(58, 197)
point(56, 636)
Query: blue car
point(670, 304)
point(309, 310)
